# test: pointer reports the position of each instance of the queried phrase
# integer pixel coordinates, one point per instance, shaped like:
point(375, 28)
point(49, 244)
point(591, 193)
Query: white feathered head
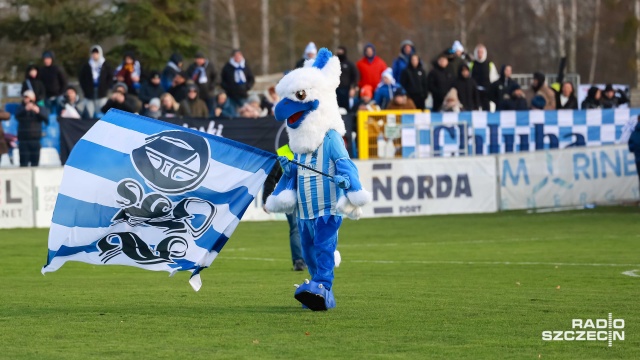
point(309, 103)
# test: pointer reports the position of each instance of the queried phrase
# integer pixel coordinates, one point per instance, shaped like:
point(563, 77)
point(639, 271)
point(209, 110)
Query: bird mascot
point(321, 183)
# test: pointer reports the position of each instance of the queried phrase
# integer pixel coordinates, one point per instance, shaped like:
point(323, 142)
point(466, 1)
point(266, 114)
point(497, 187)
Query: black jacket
point(30, 123)
point(499, 90)
point(572, 103)
point(105, 80)
point(467, 93)
point(149, 91)
point(205, 90)
point(349, 74)
point(54, 80)
point(480, 72)
point(414, 81)
point(37, 86)
point(130, 105)
point(236, 91)
point(439, 83)
point(515, 103)
point(179, 92)
point(615, 101)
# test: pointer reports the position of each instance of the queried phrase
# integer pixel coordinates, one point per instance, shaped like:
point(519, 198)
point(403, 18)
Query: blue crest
point(322, 58)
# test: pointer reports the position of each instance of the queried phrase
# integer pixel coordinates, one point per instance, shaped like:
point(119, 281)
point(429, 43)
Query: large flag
point(145, 193)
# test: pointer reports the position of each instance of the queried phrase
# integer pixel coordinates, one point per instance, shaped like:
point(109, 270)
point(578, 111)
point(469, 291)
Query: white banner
point(569, 177)
point(16, 198)
point(46, 182)
point(430, 186)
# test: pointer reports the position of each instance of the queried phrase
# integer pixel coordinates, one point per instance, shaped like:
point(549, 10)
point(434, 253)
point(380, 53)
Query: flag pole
point(312, 169)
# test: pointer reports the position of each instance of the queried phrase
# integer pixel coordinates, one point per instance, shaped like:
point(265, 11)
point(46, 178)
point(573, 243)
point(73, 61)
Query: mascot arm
point(284, 199)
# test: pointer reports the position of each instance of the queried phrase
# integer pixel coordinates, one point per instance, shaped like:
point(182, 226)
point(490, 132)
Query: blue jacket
point(384, 94)
point(634, 142)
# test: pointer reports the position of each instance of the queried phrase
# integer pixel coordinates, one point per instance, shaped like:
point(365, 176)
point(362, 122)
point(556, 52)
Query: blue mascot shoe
point(315, 296)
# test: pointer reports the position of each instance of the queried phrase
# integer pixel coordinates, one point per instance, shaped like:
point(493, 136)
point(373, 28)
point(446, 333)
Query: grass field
point(449, 287)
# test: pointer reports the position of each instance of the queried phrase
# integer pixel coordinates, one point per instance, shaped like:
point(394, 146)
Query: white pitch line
point(632, 273)
point(445, 262)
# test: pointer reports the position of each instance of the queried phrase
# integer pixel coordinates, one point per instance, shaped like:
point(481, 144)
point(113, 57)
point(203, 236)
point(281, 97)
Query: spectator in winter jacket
point(4, 143)
point(456, 58)
point(129, 72)
point(634, 145)
point(121, 100)
point(151, 88)
point(467, 90)
point(193, 106)
point(414, 80)
point(451, 102)
point(31, 82)
point(174, 66)
point(153, 109)
point(439, 81)
point(168, 106)
point(516, 100)
point(52, 76)
point(348, 78)
point(366, 102)
point(407, 48)
point(70, 106)
point(401, 101)
point(310, 52)
point(540, 88)
point(593, 99)
point(95, 80)
point(30, 118)
point(237, 79)
point(566, 98)
point(610, 100)
point(179, 87)
point(203, 74)
point(484, 72)
point(370, 67)
point(224, 108)
point(353, 102)
point(384, 92)
point(500, 89)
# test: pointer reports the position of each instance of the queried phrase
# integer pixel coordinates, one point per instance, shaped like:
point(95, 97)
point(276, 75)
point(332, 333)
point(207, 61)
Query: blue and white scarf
point(238, 76)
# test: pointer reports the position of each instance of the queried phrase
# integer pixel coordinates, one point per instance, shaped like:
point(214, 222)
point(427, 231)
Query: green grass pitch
point(440, 287)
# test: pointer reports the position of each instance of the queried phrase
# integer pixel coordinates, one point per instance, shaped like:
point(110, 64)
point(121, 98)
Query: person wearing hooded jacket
point(499, 91)
point(370, 67)
point(193, 106)
point(484, 72)
point(414, 80)
point(609, 99)
point(31, 82)
point(407, 48)
point(456, 58)
point(310, 52)
point(439, 81)
point(384, 92)
point(52, 76)
point(151, 88)
point(516, 99)
point(467, 90)
point(540, 88)
point(348, 78)
point(174, 66)
point(96, 78)
point(30, 118)
point(593, 99)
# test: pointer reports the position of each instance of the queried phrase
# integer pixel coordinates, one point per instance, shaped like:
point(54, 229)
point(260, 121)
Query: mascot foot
point(315, 296)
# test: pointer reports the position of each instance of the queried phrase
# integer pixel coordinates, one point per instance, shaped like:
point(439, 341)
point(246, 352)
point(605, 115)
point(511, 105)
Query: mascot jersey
point(315, 130)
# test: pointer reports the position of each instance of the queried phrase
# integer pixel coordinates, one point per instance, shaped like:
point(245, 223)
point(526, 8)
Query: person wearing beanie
point(407, 48)
point(174, 66)
point(516, 99)
point(593, 99)
point(457, 58)
point(192, 106)
point(348, 77)
point(540, 88)
point(370, 67)
point(366, 102)
point(96, 79)
point(179, 88)
point(384, 91)
point(121, 100)
point(414, 81)
point(153, 109)
point(30, 118)
point(310, 52)
point(484, 73)
point(203, 74)
point(467, 90)
point(401, 101)
point(129, 72)
point(53, 78)
point(31, 82)
point(439, 81)
point(151, 88)
point(610, 100)
point(237, 79)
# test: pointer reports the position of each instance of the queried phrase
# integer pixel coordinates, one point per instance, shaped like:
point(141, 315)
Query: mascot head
point(309, 104)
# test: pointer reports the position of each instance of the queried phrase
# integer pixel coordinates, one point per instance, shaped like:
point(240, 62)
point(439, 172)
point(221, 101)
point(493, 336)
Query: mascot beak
point(294, 111)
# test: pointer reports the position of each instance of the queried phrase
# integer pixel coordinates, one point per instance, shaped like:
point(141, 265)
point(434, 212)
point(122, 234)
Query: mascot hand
point(342, 181)
point(286, 164)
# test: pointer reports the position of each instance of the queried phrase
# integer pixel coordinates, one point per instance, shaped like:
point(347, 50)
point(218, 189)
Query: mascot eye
point(301, 95)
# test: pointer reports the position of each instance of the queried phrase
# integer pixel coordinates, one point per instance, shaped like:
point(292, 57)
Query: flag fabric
point(146, 193)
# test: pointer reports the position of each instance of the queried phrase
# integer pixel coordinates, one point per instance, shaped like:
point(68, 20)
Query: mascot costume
point(321, 183)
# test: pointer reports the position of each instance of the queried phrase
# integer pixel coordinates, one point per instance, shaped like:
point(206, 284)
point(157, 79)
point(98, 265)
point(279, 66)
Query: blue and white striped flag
point(144, 193)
